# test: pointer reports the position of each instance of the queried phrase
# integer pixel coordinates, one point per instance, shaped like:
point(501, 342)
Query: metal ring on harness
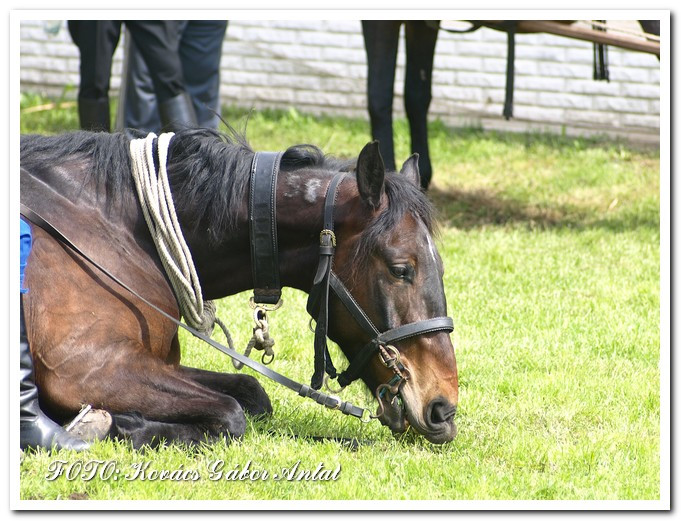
point(328, 387)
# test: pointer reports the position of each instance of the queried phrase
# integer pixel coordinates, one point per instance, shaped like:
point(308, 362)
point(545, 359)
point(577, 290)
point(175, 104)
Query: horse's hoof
point(95, 425)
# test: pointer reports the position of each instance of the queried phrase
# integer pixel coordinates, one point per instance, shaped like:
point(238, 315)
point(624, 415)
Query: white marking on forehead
point(431, 245)
point(311, 189)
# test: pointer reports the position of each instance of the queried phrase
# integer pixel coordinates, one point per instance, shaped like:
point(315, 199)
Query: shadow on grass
point(480, 208)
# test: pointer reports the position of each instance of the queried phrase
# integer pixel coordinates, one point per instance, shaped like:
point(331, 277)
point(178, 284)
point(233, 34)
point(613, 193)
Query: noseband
point(262, 216)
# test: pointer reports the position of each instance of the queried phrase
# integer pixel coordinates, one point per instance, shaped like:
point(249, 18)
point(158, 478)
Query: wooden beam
point(581, 33)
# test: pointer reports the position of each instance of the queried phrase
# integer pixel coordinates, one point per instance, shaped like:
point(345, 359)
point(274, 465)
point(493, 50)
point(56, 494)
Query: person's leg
point(96, 41)
point(139, 108)
point(36, 429)
point(200, 53)
point(421, 40)
point(158, 41)
point(380, 41)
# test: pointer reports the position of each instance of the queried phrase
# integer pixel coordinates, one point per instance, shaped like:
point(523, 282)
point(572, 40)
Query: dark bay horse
point(95, 343)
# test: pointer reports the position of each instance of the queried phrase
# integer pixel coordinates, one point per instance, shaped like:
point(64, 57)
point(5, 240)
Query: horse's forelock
point(404, 197)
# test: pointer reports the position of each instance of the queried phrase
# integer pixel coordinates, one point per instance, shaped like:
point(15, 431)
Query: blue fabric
point(24, 250)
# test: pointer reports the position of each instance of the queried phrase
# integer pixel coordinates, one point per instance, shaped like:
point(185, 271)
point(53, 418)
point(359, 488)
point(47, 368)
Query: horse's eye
point(399, 271)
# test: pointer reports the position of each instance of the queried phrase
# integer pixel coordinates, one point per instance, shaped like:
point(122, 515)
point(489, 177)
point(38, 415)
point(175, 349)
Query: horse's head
point(388, 261)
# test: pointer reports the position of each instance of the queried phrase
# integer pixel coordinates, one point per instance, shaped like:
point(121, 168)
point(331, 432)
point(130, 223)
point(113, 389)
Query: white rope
point(157, 204)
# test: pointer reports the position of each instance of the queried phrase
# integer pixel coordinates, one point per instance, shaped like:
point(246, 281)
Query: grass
point(552, 254)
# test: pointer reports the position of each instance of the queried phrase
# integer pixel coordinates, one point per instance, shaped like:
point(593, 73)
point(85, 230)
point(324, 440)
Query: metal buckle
point(330, 234)
point(390, 362)
point(265, 307)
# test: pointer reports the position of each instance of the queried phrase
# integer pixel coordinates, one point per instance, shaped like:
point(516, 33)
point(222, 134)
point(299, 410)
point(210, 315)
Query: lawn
point(551, 248)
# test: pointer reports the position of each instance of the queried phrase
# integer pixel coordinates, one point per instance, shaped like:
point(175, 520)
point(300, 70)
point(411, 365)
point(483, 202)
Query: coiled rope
point(153, 190)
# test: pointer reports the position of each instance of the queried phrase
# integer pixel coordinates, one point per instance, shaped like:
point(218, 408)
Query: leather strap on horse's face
point(318, 305)
point(318, 300)
point(262, 217)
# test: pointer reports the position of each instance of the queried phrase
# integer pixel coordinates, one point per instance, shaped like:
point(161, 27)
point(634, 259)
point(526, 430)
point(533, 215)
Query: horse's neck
point(226, 269)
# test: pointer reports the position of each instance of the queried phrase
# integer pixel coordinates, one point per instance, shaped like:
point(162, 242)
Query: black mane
point(208, 171)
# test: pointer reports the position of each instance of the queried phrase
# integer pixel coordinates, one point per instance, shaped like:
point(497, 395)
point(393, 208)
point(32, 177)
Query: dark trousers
point(200, 50)
point(158, 42)
point(381, 40)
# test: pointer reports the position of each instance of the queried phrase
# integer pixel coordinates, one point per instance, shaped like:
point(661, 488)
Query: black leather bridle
point(262, 216)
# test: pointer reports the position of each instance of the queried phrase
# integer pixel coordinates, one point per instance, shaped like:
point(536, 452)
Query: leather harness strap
point(318, 306)
point(262, 216)
point(318, 300)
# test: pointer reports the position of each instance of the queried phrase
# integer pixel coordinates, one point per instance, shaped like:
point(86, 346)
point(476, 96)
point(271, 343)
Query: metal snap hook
point(260, 317)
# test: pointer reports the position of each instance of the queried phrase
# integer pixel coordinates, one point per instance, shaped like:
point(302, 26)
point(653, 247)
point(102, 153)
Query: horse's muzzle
point(436, 423)
point(439, 426)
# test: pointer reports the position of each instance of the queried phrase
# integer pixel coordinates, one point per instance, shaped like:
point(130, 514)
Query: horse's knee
point(252, 396)
point(380, 107)
point(230, 423)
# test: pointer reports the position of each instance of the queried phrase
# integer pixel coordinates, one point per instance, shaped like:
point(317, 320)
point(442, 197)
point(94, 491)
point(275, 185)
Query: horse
point(94, 342)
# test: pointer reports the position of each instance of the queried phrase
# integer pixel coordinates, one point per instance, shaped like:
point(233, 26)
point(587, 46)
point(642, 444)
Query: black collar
point(262, 216)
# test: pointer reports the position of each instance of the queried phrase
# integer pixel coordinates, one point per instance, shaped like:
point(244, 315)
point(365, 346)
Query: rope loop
point(156, 200)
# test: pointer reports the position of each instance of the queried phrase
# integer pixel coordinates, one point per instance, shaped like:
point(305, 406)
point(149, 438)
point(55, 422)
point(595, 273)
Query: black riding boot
point(177, 113)
point(94, 114)
point(37, 430)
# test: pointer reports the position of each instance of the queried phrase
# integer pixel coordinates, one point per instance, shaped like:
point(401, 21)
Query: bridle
point(267, 295)
point(262, 216)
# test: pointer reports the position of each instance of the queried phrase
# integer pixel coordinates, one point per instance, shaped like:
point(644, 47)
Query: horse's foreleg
point(151, 401)
point(244, 388)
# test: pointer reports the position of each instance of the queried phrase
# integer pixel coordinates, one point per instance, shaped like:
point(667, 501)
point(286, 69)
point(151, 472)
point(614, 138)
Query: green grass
point(552, 254)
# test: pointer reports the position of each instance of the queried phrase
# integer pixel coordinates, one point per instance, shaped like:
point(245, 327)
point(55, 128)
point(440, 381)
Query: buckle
point(328, 233)
point(385, 358)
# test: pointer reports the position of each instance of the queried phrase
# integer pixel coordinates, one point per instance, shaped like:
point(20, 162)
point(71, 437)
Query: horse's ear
point(410, 169)
point(370, 174)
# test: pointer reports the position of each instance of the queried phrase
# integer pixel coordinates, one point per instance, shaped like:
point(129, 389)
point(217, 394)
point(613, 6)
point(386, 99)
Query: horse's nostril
point(441, 411)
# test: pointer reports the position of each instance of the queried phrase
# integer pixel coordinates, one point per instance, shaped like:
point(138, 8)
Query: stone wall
point(320, 67)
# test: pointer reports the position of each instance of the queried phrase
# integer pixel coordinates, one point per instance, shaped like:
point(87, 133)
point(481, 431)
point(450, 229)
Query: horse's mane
point(209, 173)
